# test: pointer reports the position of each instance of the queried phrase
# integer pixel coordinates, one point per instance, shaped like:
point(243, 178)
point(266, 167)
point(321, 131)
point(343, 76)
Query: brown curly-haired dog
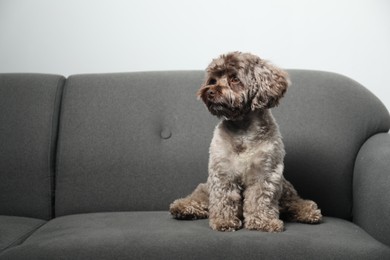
point(245, 184)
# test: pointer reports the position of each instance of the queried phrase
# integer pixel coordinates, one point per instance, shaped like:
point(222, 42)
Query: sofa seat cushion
point(13, 230)
point(155, 235)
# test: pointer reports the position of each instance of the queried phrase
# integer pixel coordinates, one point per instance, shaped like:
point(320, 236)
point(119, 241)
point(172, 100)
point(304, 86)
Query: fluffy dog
point(245, 186)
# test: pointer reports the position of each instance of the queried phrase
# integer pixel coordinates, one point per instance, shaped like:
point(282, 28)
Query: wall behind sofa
point(91, 36)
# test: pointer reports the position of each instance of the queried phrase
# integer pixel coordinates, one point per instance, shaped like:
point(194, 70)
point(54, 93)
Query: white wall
point(76, 36)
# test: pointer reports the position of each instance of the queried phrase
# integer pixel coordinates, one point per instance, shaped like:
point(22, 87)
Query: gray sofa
point(90, 163)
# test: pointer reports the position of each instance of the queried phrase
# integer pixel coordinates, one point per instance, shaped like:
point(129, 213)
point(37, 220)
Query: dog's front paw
point(266, 225)
point(221, 224)
point(188, 209)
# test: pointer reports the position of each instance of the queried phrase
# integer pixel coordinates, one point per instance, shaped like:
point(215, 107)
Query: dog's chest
point(238, 156)
point(242, 155)
point(239, 147)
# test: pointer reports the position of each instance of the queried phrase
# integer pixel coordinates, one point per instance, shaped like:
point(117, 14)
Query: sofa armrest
point(371, 187)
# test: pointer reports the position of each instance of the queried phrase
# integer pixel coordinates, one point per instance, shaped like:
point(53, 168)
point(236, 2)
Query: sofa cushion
point(29, 107)
point(155, 235)
point(14, 230)
point(131, 141)
point(324, 119)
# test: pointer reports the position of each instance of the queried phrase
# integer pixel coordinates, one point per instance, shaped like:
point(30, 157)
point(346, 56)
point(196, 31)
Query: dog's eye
point(212, 82)
point(234, 80)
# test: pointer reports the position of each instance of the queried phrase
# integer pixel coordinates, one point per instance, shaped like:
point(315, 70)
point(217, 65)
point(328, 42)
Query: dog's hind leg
point(294, 208)
point(194, 206)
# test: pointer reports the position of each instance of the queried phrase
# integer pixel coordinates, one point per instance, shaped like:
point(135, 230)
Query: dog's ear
point(270, 85)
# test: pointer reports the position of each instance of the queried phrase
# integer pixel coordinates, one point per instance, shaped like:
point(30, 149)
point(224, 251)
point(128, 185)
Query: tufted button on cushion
point(166, 133)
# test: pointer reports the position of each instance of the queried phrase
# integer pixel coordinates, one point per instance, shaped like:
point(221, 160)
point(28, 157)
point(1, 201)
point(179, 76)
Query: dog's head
point(237, 83)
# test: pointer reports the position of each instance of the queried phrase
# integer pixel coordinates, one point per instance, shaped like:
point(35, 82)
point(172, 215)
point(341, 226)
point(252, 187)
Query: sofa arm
point(371, 187)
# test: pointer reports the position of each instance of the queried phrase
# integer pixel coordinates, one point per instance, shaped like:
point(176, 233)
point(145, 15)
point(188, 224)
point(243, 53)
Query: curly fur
point(246, 186)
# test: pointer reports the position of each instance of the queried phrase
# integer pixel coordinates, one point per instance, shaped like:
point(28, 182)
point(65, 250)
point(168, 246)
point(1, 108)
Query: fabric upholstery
point(13, 230)
point(29, 105)
point(371, 187)
point(155, 235)
point(324, 120)
point(134, 142)
point(131, 141)
point(122, 145)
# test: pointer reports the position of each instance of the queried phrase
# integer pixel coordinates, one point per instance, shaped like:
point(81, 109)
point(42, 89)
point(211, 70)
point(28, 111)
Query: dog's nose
point(210, 93)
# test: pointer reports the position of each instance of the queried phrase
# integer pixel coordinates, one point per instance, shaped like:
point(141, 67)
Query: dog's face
point(237, 83)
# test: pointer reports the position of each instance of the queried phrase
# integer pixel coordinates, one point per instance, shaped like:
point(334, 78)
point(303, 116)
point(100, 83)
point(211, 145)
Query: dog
point(245, 187)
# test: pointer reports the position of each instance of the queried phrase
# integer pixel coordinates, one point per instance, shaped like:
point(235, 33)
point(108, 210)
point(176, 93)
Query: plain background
point(94, 36)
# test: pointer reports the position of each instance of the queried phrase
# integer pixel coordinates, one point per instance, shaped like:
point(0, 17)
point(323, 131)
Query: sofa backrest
point(29, 105)
point(324, 120)
point(131, 141)
point(137, 141)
